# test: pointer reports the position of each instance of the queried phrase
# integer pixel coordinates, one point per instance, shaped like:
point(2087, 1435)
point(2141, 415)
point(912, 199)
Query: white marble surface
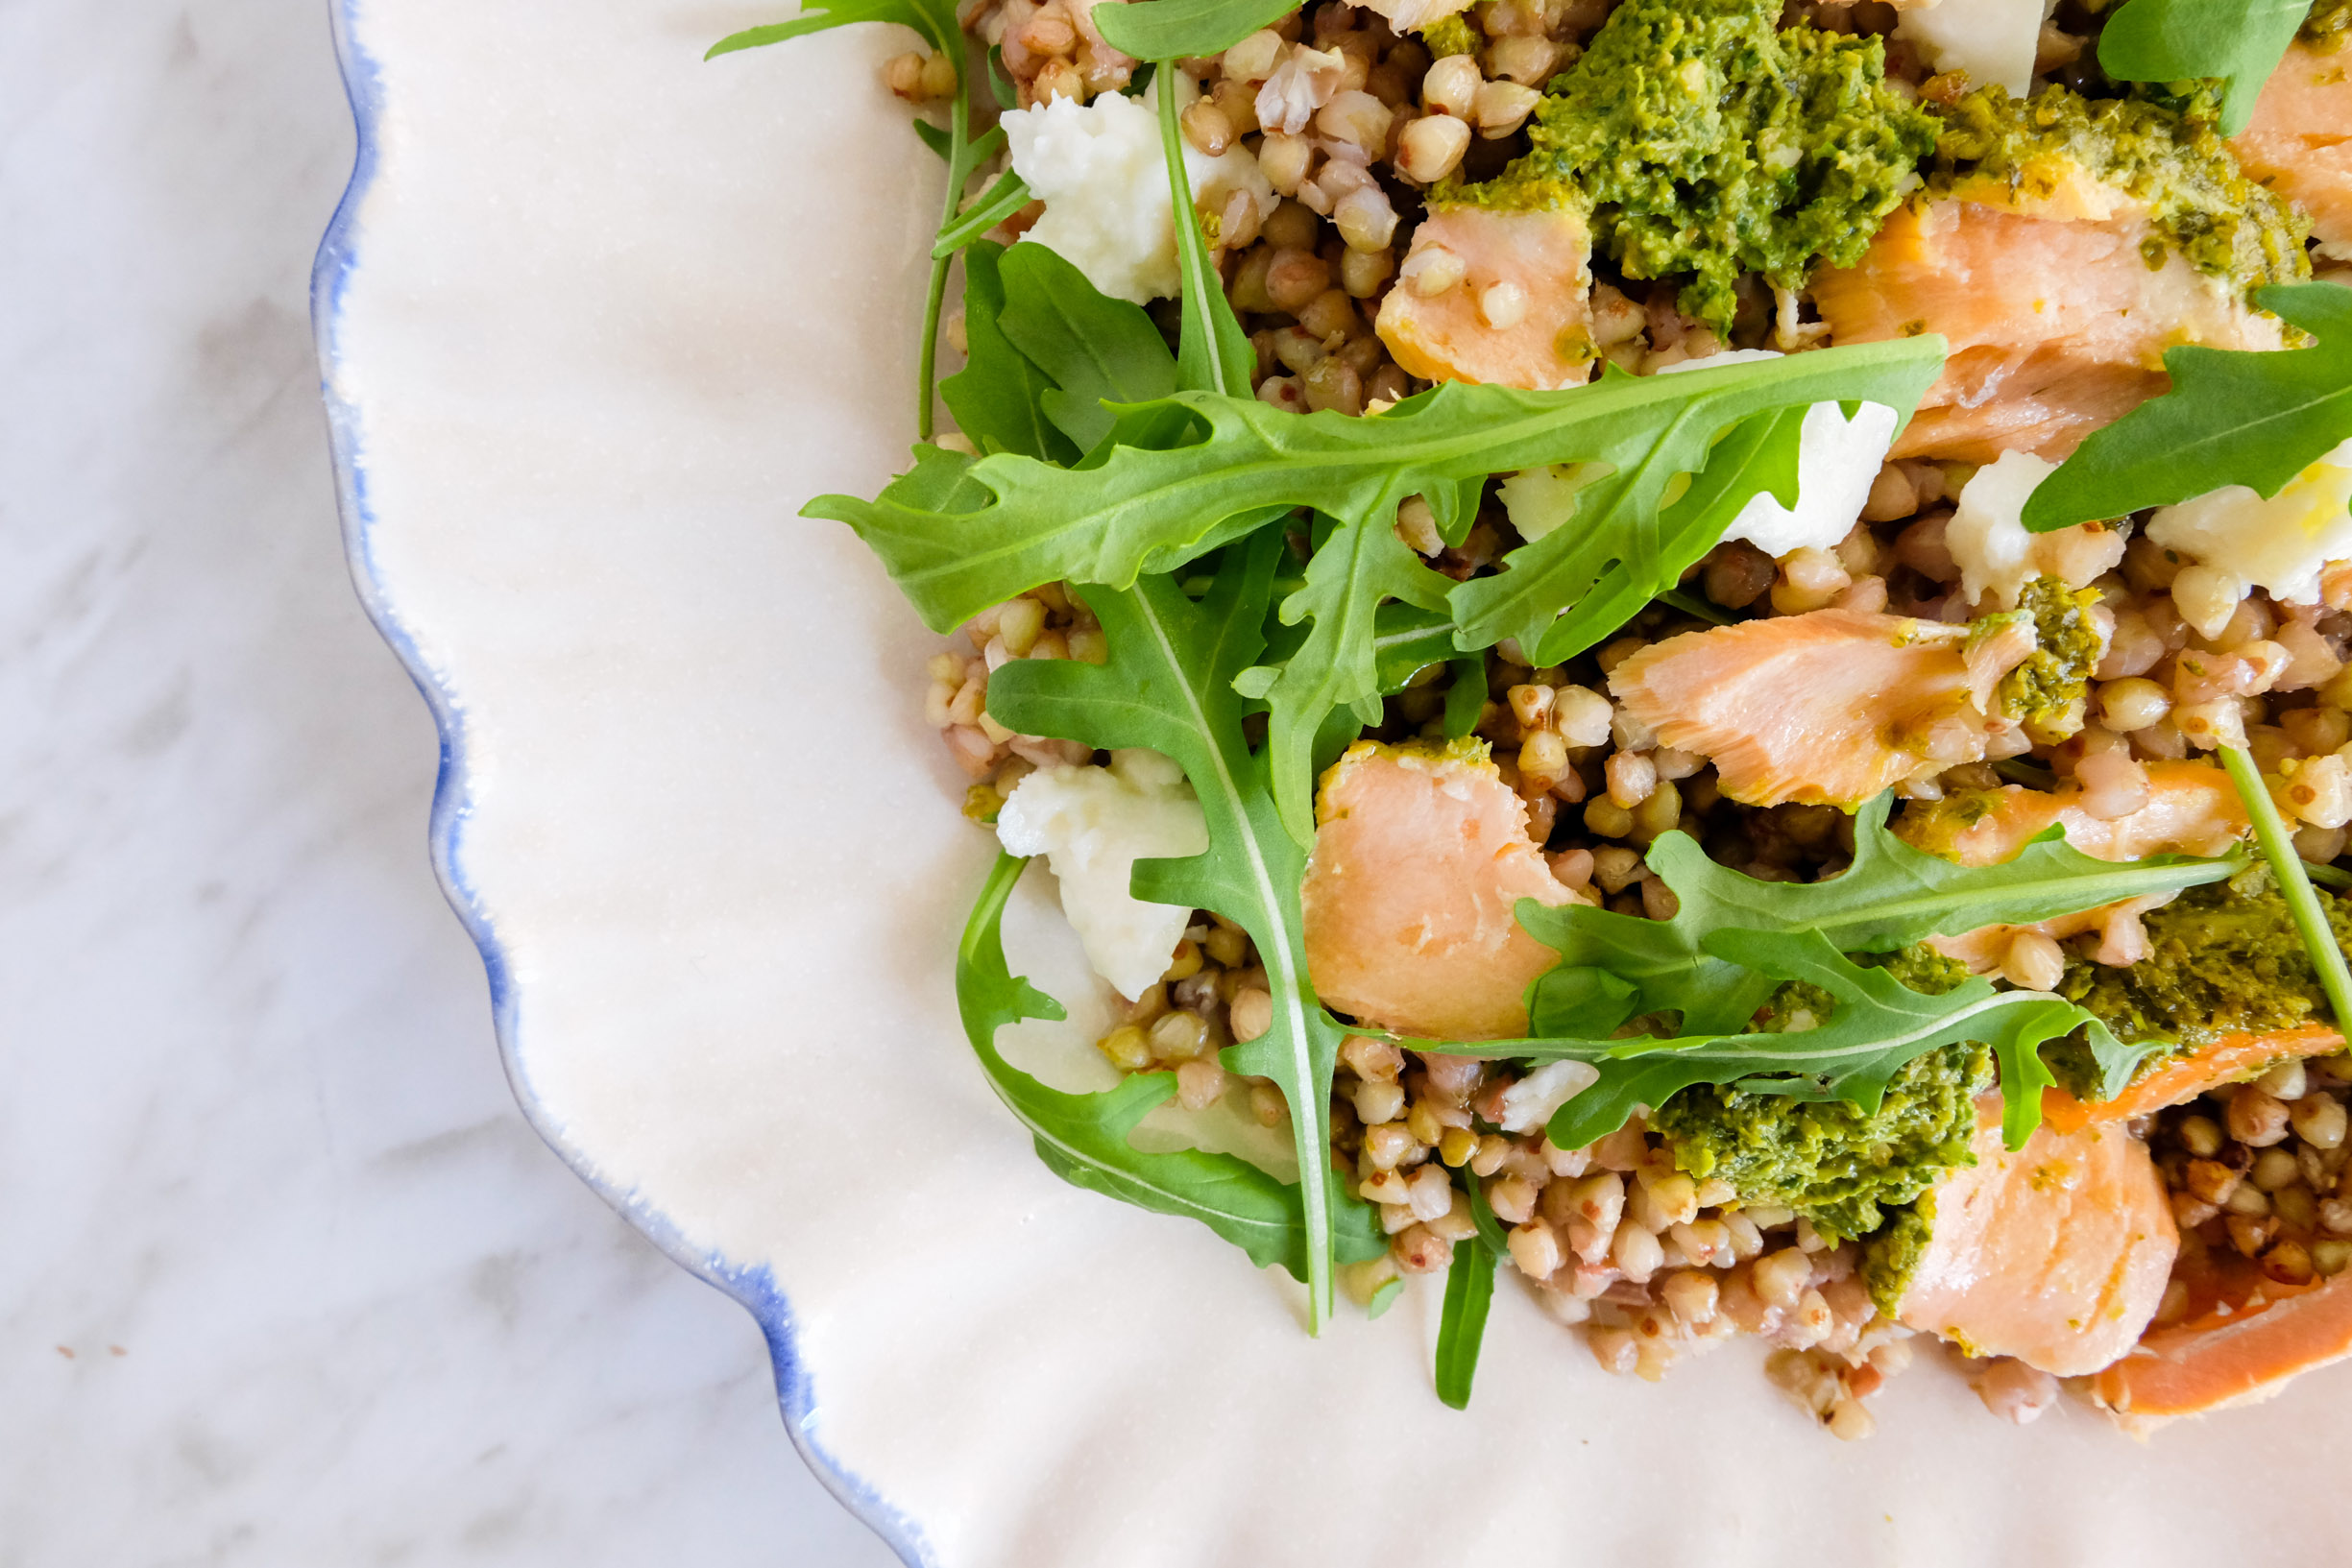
point(283, 1276)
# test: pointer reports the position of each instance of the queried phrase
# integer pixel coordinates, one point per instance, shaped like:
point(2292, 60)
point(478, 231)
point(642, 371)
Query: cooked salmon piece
point(1420, 859)
point(2057, 1254)
point(2121, 938)
point(1827, 708)
point(1520, 315)
point(2191, 809)
point(2299, 141)
point(2240, 1352)
point(2058, 322)
point(2231, 1059)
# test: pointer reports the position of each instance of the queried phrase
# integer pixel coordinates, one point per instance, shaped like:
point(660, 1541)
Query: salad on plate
point(1695, 649)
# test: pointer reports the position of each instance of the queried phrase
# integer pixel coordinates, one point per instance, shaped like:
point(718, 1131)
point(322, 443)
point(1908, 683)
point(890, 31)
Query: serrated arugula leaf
point(1462, 1322)
point(2236, 43)
point(1095, 349)
point(1213, 354)
point(1153, 509)
point(1355, 565)
point(1168, 685)
point(2232, 418)
point(998, 397)
point(1876, 1025)
point(1178, 29)
point(1007, 194)
point(1084, 1138)
point(934, 19)
point(1616, 967)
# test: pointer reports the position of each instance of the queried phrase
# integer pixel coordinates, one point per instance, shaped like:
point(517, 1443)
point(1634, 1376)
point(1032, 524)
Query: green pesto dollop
point(2324, 28)
point(2046, 692)
point(1839, 1165)
point(1891, 1257)
point(1702, 139)
point(1450, 35)
point(2222, 959)
point(2200, 201)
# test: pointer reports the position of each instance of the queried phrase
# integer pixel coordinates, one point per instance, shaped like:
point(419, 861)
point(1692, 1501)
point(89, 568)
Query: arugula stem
point(2335, 877)
point(960, 163)
point(2293, 883)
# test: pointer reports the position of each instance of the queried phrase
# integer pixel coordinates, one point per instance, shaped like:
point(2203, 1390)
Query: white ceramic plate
point(595, 319)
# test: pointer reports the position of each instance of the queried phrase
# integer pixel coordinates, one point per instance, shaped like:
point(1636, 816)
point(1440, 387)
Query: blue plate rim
point(754, 1286)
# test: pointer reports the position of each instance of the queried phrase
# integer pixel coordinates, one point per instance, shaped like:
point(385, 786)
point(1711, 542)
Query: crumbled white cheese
point(1529, 1103)
point(1991, 40)
point(2279, 545)
point(1837, 461)
point(1997, 557)
point(1099, 171)
point(1092, 824)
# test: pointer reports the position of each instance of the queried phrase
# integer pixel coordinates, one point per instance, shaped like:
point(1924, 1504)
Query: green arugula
point(2311, 922)
point(1168, 685)
point(2232, 418)
point(998, 397)
point(1876, 1025)
point(1213, 354)
point(2236, 43)
point(1093, 350)
point(1470, 1292)
point(1084, 1138)
point(960, 535)
point(1616, 967)
point(1178, 28)
point(1005, 194)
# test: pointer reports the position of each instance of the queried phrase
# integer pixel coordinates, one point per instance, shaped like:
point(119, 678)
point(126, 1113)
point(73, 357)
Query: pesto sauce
point(1450, 35)
point(2222, 959)
point(2046, 692)
point(1839, 1165)
point(1891, 1257)
point(2200, 200)
point(1704, 141)
point(2325, 27)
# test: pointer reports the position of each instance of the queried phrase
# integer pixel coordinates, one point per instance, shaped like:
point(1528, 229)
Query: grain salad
point(1700, 645)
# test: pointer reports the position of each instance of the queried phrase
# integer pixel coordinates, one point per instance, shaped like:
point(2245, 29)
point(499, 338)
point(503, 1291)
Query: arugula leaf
point(1213, 354)
point(1020, 522)
point(1007, 194)
point(1878, 1025)
point(1177, 29)
point(998, 397)
point(1615, 967)
point(2311, 922)
point(2233, 418)
point(1354, 567)
point(1462, 1323)
point(1168, 685)
point(2237, 43)
point(1084, 1138)
point(1096, 349)
point(934, 19)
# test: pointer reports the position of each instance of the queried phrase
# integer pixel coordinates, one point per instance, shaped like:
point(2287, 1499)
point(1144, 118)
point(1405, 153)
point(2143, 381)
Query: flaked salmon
point(1518, 314)
point(1826, 708)
point(2231, 1059)
point(2057, 1254)
point(1420, 859)
point(2299, 141)
point(2191, 809)
point(2056, 321)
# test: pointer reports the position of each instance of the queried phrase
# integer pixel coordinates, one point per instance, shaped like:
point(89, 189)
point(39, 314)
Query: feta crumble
point(1997, 557)
point(1099, 169)
point(1838, 460)
point(1092, 824)
point(1990, 40)
point(1529, 1103)
point(2279, 545)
